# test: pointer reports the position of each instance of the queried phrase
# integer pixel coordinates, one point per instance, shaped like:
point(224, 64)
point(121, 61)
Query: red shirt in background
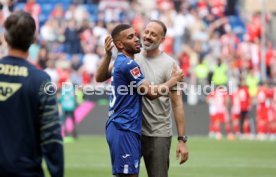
point(244, 98)
point(269, 56)
point(184, 63)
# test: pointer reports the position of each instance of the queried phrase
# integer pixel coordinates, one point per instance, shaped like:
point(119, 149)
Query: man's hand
point(182, 152)
point(108, 45)
point(177, 74)
point(104, 70)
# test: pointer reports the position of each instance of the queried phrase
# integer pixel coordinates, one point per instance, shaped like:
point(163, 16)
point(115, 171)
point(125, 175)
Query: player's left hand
point(182, 153)
point(177, 74)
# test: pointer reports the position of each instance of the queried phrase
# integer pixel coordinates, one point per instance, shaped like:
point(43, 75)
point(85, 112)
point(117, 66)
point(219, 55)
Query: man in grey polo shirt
point(157, 123)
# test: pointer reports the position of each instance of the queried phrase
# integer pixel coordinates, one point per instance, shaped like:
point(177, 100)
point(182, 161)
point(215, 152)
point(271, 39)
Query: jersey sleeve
point(132, 72)
point(50, 130)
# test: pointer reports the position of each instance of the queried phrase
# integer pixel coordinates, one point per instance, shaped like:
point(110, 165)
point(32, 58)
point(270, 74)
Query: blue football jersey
point(125, 106)
point(30, 126)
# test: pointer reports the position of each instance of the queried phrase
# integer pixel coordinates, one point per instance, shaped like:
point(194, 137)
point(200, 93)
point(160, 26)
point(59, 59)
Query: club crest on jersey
point(135, 72)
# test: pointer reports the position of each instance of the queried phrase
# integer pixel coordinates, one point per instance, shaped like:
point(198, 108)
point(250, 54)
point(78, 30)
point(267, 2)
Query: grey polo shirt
point(156, 113)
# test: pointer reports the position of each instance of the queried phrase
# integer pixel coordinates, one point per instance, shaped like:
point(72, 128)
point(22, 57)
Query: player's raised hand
point(108, 45)
point(177, 74)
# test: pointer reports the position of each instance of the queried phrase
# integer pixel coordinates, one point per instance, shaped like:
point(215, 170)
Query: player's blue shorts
point(125, 150)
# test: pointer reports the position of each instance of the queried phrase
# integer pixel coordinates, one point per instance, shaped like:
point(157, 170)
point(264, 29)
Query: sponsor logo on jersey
point(12, 70)
point(8, 89)
point(135, 72)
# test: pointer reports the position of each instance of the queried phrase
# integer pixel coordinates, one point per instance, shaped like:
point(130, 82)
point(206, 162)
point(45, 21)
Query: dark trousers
point(243, 116)
point(70, 114)
point(156, 153)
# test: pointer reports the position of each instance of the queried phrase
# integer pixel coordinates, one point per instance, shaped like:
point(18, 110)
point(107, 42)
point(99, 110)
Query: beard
point(150, 47)
point(133, 50)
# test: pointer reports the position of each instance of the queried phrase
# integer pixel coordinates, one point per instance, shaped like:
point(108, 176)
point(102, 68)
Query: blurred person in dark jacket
point(30, 127)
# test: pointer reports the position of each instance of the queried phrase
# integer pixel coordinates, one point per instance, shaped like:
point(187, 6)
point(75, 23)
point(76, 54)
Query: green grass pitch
point(89, 157)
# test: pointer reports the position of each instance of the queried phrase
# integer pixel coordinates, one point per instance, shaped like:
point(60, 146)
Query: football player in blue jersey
point(30, 128)
point(123, 128)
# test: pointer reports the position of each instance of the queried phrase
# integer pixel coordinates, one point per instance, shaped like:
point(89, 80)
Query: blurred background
point(227, 43)
point(226, 49)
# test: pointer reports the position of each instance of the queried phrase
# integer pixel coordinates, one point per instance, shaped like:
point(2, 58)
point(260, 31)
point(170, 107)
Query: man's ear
point(163, 39)
point(6, 37)
point(119, 45)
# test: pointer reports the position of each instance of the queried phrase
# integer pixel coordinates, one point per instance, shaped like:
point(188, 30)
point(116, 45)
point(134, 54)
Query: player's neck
point(18, 53)
point(151, 53)
point(129, 55)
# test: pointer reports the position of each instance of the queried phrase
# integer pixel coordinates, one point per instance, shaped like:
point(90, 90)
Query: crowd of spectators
point(200, 33)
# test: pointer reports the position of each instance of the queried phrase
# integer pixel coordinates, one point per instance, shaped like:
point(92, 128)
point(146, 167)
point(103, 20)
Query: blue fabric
point(125, 108)
point(125, 150)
